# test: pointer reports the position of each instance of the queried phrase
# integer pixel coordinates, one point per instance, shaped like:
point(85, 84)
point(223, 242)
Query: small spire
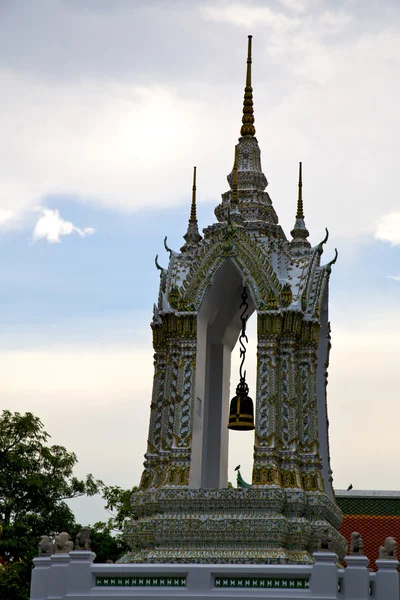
point(192, 236)
point(193, 211)
point(299, 231)
point(248, 128)
point(300, 213)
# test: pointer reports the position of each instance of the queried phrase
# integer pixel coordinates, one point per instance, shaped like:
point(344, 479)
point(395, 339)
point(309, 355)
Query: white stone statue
point(356, 544)
point(46, 546)
point(63, 543)
point(325, 543)
point(389, 549)
point(82, 541)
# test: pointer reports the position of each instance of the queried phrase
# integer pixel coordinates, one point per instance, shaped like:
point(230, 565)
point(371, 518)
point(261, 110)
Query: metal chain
point(243, 336)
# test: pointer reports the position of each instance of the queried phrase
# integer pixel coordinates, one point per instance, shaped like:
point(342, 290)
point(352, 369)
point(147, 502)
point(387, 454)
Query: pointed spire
point(300, 213)
point(193, 210)
point(192, 236)
point(299, 231)
point(248, 128)
point(246, 199)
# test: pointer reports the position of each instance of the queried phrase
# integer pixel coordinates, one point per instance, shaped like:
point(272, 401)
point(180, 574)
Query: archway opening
point(241, 443)
point(218, 328)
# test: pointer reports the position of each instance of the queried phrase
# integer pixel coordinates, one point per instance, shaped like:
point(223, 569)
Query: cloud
point(106, 122)
point(248, 16)
point(119, 144)
point(295, 5)
point(388, 229)
point(6, 215)
point(395, 277)
point(51, 227)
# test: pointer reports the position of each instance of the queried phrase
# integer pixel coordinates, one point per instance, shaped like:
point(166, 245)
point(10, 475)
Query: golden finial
point(299, 231)
point(234, 197)
point(192, 235)
point(300, 213)
point(248, 128)
point(193, 211)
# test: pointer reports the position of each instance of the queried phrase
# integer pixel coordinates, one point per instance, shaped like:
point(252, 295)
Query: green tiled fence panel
point(261, 582)
point(141, 581)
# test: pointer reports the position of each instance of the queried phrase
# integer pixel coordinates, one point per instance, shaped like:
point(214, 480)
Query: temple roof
point(281, 274)
point(372, 513)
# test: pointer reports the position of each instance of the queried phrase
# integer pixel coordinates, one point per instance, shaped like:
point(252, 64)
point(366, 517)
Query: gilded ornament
point(286, 295)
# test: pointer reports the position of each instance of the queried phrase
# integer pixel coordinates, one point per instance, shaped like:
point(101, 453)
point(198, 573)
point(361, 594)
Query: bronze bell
point(241, 411)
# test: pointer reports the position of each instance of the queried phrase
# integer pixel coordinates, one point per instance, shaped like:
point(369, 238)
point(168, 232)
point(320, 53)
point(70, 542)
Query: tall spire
point(192, 236)
point(299, 232)
point(193, 210)
point(248, 128)
point(247, 201)
point(300, 213)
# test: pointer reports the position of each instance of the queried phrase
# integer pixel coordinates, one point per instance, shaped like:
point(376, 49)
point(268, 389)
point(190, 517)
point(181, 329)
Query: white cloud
point(128, 140)
point(120, 144)
point(395, 277)
point(245, 15)
point(388, 229)
point(296, 5)
point(333, 22)
point(51, 227)
point(6, 215)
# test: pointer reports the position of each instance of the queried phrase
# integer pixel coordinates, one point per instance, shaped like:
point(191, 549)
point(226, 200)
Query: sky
point(105, 109)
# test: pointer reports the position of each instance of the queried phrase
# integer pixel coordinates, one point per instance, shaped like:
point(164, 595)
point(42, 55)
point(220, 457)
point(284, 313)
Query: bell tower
point(186, 513)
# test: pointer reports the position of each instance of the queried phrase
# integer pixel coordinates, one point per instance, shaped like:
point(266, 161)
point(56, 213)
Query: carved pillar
point(152, 456)
point(180, 452)
point(289, 413)
point(169, 450)
point(326, 365)
point(308, 417)
point(266, 457)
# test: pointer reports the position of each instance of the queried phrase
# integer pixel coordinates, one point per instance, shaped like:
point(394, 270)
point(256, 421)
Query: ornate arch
point(250, 259)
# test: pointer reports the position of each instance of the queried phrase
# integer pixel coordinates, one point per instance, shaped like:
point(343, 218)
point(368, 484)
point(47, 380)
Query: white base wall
point(75, 576)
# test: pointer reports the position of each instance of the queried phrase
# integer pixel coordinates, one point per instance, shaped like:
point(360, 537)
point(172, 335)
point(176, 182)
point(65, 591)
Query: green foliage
point(14, 581)
point(35, 481)
point(107, 539)
point(105, 543)
point(118, 502)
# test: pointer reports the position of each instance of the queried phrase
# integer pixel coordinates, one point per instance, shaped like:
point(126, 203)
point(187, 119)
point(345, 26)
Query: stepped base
point(270, 525)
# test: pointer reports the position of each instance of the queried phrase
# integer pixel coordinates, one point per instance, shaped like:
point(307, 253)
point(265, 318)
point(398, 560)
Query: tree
point(118, 503)
point(107, 539)
point(35, 481)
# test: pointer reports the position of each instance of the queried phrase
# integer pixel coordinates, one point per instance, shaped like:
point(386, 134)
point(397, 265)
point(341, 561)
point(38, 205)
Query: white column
point(79, 578)
point(57, 576)
point(356, 578)
point(387, 580)
point(324, 577)
point(40, 576)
